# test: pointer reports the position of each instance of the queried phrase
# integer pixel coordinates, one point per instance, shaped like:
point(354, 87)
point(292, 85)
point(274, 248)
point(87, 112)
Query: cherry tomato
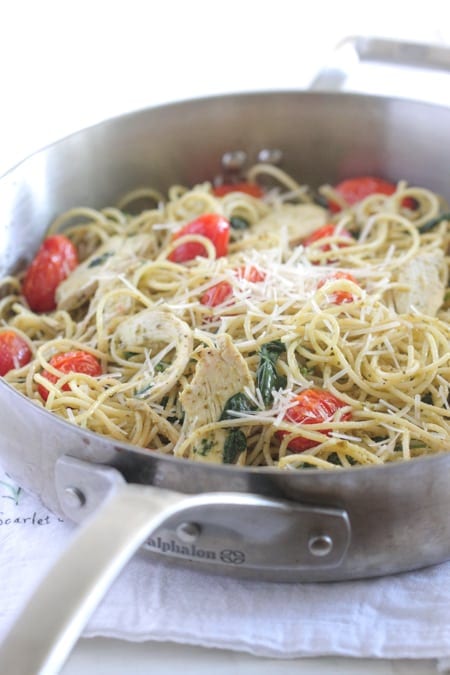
point(353, 190)
point(53, 263)
point(217, 294)
point(312, 406)
point(250, 273)
point(14, 351)
point(328, 230)
point(70, 362)
point(251, 189)
point(339, 297)
point(210, 225)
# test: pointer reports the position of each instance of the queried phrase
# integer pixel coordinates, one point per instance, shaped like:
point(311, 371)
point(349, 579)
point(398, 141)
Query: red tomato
point(210, 225)
point(312, 406)
point(353, 190)
point(339, 297)
point(14, 351)
point(250, 273)
point(70, 362)
point(327, 231)
point(248, 188)
point(53, 263)
point(217, 294)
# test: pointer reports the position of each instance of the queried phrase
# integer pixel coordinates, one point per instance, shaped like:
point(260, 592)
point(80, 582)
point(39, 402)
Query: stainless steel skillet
point(260, 523)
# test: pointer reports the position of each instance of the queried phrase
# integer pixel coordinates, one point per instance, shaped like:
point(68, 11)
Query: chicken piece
point(425, 280)
point(154, 331)
point(300, 220)
point(116, 256)
point(220, 373)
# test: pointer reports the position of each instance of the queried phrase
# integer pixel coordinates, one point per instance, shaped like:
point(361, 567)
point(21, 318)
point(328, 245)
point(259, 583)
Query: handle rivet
point(188, 532)
point(320, 545)
point(270, 156)
point(234, 160)
point(74, 498)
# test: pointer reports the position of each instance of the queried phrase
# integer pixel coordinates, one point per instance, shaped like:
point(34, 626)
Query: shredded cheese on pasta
point(171, 364)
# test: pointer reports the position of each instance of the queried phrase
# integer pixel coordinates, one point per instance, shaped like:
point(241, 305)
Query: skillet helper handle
point(353, 53)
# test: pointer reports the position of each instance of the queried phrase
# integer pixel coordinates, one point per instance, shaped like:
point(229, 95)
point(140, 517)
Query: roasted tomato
point(14, 351)
point(217, 294)
point(223, 290)
point(250, 273)
point(354, 190)
point(210, 225)
point(53, 263)
point(251, 189)
point(70, 362)
point(339, 297)
point(325, 231)
point(311, 406)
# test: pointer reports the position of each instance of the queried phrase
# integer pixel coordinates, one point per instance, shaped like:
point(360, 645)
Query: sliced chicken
point(424, 279)
point(116, 256)
point(221, 372)
point(154, 332)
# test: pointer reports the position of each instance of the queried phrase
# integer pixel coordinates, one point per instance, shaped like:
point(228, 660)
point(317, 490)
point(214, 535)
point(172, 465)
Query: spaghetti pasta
point(206, 358)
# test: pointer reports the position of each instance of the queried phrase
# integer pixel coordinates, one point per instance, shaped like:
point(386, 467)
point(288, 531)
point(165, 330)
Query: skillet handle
point(365, 57)
point(42, 638)
point(281, 536)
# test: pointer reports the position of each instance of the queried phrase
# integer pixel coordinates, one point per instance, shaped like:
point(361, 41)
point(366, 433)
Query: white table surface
point(66, 65)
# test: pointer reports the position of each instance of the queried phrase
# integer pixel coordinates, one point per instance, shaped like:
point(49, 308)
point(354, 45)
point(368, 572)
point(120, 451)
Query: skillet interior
point(323, 137)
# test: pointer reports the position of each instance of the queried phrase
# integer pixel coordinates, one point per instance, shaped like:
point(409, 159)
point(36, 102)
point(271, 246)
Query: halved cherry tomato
point(339, 297)
point(354, 190)
point(218, 293)
point(210, 225)
point(312, 406)
point(14, 351)
point(250, 273)
point(53, 263)
point(70, 362)
point(325, 231)
point(248, 188)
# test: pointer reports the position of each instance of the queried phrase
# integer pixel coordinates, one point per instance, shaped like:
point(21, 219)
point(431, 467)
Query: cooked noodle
point(166, 356)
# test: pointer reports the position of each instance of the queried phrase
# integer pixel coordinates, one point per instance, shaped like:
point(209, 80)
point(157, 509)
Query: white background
point(65, 65)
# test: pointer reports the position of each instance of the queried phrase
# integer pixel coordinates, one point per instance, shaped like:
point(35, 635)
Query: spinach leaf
point(238, 223)
point(431, 224)
point(235, 444)
point(237, 403)
point(95, 262)
point(267, 377)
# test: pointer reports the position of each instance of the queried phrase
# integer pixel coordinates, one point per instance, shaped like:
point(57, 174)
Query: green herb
point(144, 390)
point(427, 398)
point(319, 199)
point(267, 377)
point(238, 223)
point(235, 444)
point(447, 296)
point(101, 259)
point(205, 447)
point(305, 371)
point(129, 355)
point(334, 458)
point(161, 366)
point(237, 403)
point(431, 224)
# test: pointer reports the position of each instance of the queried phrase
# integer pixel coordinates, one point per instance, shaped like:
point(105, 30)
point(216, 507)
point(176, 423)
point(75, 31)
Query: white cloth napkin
point(404, 616)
